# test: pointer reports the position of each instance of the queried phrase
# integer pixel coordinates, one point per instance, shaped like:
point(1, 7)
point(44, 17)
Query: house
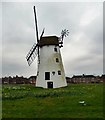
point(15, 80)
point(5, 80)
point(102, 78)
point(89, 78)
point(32, 80)
point(68, 80)
point(83, 79)
point(21, 80)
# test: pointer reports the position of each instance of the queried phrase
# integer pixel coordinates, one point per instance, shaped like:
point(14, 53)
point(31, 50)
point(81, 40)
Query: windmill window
point(57, 60)
point(47, 75)
point(55, 49)
point(53, 72)
point(59, 72)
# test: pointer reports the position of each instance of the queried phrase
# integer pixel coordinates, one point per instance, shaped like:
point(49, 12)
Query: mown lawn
point(27, 101)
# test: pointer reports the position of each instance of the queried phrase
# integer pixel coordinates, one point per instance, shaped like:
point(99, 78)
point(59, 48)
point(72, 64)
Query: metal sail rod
point(36, 25)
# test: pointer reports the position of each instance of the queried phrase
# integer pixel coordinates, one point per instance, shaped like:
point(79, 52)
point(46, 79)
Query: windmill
point(50, 73)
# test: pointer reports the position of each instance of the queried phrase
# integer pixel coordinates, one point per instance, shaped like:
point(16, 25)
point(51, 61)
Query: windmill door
point(49, 84)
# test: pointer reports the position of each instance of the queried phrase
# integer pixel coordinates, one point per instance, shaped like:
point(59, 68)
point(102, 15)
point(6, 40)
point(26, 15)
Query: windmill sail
point(36, 26)
point(34, 51)
point(42, 33)
point(32, 54)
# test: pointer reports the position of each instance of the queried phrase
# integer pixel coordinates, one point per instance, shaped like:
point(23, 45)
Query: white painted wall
point(48, 64)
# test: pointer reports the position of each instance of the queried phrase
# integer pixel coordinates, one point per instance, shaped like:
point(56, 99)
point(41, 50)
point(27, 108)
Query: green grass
point(27, 101)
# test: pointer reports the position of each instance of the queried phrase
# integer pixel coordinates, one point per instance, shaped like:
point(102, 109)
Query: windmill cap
point(49, 40)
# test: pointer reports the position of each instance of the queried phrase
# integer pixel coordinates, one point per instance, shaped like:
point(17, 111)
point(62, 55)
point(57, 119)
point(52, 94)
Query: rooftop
point(49, 40)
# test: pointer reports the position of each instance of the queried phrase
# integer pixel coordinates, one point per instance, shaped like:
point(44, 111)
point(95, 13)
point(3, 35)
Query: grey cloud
point(82, 48)
point(16, 25)
point(17, 67)
point(85, 65)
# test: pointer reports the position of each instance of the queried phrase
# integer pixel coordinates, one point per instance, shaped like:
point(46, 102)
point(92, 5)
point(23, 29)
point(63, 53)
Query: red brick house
point(32, 80)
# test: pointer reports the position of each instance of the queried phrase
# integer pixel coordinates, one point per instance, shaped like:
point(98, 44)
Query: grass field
point(27, 101)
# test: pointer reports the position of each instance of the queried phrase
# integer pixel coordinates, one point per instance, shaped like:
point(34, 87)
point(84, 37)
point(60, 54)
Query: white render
point(48, 64)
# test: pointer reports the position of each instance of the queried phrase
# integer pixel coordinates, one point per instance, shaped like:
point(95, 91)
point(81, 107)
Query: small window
point(55, 49)
point(57, 60)
point(53, 72)
point(59, 72)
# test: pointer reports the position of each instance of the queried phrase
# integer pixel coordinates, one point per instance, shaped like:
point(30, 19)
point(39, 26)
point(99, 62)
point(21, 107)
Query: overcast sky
point(83, 48)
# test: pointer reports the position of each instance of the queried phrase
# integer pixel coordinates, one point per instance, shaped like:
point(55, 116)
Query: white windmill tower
point(50, 73)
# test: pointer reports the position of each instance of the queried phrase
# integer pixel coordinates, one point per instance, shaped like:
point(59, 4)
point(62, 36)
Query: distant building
point(85, 79)
point(14, 80)
point(102, 78)
point(32, 80)
point(75, 79)
point(68, 79)
point(5, 80)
